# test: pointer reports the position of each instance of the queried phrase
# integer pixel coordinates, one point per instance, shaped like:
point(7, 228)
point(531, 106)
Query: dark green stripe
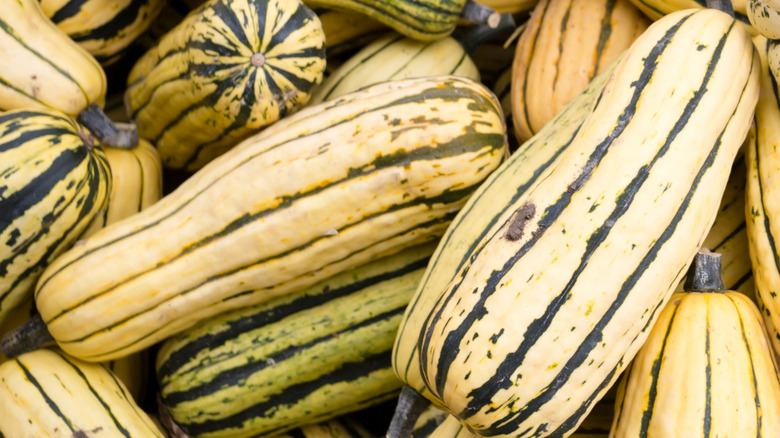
point(26, 137)
point(460, 145)
point(349, 371)
point(233, 377)
point(268, 315)
point(730, 236)
point(604, 35)
point(7, 84)
point(426, 429)
point(737, 284)
point(116, 27)
point(100, 400)
point(655, 374)
point(49, 402)
point(561, 38)
point(300, 19)
point(70, 9)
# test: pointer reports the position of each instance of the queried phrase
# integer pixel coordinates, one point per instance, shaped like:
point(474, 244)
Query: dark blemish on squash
point(518, 220)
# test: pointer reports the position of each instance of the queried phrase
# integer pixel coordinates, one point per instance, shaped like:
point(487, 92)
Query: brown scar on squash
point(518, 220)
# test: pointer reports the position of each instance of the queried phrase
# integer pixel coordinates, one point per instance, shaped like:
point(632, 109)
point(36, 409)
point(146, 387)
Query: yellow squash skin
point(533, 330)
point(230, 68)
point(396, 57)
point(762, 202)
point(564, 45)
point(103, 27)
point(45, 393)
point(49, 70)
point(706, 369)
point(136, 183)
point(55, 181)
point(318, 192)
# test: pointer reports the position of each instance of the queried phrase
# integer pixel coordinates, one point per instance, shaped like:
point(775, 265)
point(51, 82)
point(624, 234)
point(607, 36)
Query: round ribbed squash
point(228, 69)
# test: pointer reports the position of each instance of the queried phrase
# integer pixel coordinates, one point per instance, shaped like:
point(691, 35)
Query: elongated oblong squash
point(564, 45)
point(396, 57)
point(305, 357)
point(320, 191)
point(539, 322)
point(103, 27)
point(54, 180)
point(490, 206)
point(706, 369)
point(228, 69)
point(42, 68)
point(45, 393)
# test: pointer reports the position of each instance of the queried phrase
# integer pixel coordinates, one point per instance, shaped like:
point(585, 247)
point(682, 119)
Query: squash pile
point(399, 218)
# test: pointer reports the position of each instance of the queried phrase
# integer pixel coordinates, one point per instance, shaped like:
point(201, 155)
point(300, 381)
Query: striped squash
point(103, 27)
point(19, 316)
point(423, 20)
point(656, 9)
point(510, 6)
point(503, 90)
point(228, 69)
point(761, 197)
point(45, 393)
point(396, 57)
point(305, 357)
point(136, 183)
point(728, 235)
point(492, 203)
point(706, 369)
point(539, 322)
point(563, 46)
point(49, 70)
point(286, 208)
point(55, 180)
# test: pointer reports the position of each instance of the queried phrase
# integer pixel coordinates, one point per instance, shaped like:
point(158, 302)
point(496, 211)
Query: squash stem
point(480, 14)
point(30, 336)
point(473, 38)
point(126, 136)
point(98, 123)
point(704, 275)
point(721, 5)
point(410, 406)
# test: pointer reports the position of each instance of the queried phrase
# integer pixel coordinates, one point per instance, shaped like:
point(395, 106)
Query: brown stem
point(30, 336)
point(126, 137)
point(704, 275)
point(480, 14)
point(98, 123)
point(410, 405)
